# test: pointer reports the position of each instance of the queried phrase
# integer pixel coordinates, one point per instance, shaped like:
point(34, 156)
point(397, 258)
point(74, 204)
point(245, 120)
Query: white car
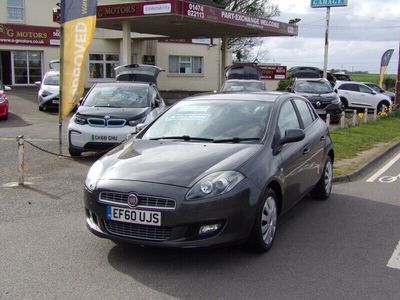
point(49, 92)
point(358, 95)
point(111, 111)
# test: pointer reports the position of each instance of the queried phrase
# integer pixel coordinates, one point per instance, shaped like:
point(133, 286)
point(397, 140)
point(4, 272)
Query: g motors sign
point(29, 35)
point(328, 3)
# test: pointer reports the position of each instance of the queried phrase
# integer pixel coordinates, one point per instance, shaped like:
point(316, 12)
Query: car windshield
point(116, 95)
point(246, 86)
point(52, 79)
point(213, 120)
point(313, 87)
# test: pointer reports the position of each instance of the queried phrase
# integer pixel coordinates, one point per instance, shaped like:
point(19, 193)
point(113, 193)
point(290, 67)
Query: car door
point(368, 98)
point(292, 155)
point(316, 136)
point(351, 92)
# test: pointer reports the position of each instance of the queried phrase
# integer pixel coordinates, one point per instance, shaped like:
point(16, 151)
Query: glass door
point(27, 67)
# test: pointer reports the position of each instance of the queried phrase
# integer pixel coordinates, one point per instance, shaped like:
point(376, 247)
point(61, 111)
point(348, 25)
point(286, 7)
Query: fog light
point(207, 229)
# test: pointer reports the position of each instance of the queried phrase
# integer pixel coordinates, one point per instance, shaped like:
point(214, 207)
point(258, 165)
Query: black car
point(212, 170)
point(321, 94)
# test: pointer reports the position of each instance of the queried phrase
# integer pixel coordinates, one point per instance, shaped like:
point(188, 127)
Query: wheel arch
point(276, 187)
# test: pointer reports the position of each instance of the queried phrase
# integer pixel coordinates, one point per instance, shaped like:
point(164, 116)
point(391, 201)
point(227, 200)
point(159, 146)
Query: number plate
point(134, 216)
point(104, 138)
point(321, 111)
point(56, 101)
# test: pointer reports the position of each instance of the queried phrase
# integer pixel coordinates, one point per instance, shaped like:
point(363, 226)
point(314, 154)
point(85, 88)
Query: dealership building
point(186, 39)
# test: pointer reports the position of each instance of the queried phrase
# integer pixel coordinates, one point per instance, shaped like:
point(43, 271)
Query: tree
point(242, 47)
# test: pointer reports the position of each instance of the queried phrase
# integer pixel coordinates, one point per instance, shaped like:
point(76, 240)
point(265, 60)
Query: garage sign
point(328, 3)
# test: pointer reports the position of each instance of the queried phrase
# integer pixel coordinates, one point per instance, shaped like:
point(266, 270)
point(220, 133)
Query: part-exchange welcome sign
point(78, 22)
point(328, 3)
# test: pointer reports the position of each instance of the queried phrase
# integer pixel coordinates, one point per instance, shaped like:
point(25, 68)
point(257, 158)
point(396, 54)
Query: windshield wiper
point(236, 140)
point(108, 106)
point(182, 137)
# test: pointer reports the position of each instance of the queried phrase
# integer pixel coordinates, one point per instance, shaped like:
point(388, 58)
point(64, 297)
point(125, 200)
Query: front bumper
point(235, 211)
point(334, 110)
point(3, 110)
point(89, 138)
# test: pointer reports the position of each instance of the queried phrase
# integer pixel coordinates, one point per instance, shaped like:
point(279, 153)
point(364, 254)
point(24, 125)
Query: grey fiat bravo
point(212, 170)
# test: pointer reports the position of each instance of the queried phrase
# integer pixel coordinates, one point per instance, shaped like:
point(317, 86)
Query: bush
point(389, 82)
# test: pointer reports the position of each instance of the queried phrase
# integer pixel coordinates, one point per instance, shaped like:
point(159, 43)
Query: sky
point(359, 35)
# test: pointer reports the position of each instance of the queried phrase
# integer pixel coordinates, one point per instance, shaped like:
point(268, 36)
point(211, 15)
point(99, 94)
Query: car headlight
point(214, 184)
point(93, 175)
point(45, 93)
point(79, 120)
point(336, 101)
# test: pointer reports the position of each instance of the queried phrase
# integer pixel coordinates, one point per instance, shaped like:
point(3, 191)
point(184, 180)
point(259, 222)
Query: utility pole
point(328, 13)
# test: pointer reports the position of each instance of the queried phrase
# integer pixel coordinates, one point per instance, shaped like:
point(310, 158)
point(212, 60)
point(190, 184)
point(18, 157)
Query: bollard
point(366, 115)
point(375, 114)
point(342, 120)
point(21, 168)
point(328, 120)
point(354, 121)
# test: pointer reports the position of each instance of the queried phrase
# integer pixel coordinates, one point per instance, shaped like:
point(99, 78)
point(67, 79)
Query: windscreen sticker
point(194, 108)
point(188, 117)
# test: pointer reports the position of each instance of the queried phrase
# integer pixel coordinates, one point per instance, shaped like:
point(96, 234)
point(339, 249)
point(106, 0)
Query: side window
point(312, 110)
point(364, 89)
point(304, 112)
point(287, 118)
point(349, 87)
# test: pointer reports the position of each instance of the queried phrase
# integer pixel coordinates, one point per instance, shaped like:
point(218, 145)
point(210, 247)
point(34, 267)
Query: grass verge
point(355, 145)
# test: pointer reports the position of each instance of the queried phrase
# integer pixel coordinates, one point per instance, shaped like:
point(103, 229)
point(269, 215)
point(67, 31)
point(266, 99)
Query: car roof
point(244, 80)
point(127, 83)
point(52, 72)
point(312, 79)
point(255, 96)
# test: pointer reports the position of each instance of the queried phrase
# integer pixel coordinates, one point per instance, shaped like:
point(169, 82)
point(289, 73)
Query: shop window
point(185, 64)
point(15, 10)
point(101, 66)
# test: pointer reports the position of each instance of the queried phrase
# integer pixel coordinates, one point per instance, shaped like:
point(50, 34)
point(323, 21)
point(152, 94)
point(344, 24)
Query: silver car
point(49, 92)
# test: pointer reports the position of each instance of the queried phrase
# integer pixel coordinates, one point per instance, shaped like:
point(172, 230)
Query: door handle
point(306, 150)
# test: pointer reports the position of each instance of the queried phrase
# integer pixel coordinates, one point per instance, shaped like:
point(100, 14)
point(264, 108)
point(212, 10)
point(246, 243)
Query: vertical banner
point(384, 63)
point(78, 23)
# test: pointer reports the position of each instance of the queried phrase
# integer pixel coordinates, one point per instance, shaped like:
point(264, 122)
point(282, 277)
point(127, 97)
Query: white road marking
point(394, 261)
point(384, 169)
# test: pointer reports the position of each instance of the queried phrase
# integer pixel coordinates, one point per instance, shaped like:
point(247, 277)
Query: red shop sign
point(29, 35)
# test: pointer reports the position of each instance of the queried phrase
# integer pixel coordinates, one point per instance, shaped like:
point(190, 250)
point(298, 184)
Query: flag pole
point(60, 91)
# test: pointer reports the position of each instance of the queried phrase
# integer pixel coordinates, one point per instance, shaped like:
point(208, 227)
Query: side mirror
point(140, 126)
point(7, 88)
point(336, 91)
point(293, 135)
point(157, 103)
point(38, 83)
point(289, 89)
point(373, 92)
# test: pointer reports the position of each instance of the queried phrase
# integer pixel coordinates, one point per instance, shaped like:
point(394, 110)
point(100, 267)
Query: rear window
point(313, 87)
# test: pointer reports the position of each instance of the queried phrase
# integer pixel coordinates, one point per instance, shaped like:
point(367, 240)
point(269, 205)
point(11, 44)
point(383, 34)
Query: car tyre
point(74, 152)
point(263, 233)
point(41, 108)
point(382, 104)
point(345, 103)
point(323, 188)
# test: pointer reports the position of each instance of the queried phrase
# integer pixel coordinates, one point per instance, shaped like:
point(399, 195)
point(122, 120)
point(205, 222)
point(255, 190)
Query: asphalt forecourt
point(340, 248)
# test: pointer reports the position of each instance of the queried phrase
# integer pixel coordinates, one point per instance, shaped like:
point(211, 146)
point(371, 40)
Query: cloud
point(359, 34)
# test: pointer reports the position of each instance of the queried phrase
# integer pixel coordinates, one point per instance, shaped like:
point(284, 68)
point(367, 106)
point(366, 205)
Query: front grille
point(144, 201)
point(137, 231)
point(93, 146)
point(113, 123)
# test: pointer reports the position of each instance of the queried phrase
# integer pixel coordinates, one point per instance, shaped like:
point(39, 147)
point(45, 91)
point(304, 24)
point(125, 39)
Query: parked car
point(378, 89)
point(320, 93)
point(4, 102)
point(49, 92)
point(111, 111)
point(342, 76)
point(241, 85)
point(243, 71)
point(212, 170)
point(358, 95)
point(310, 72)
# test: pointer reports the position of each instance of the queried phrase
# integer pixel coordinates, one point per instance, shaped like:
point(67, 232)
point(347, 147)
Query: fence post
point(328, 120)
point(342, 120)
point(366, 115)
point(354, 121)
point(21, 167)
point(375, 114)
